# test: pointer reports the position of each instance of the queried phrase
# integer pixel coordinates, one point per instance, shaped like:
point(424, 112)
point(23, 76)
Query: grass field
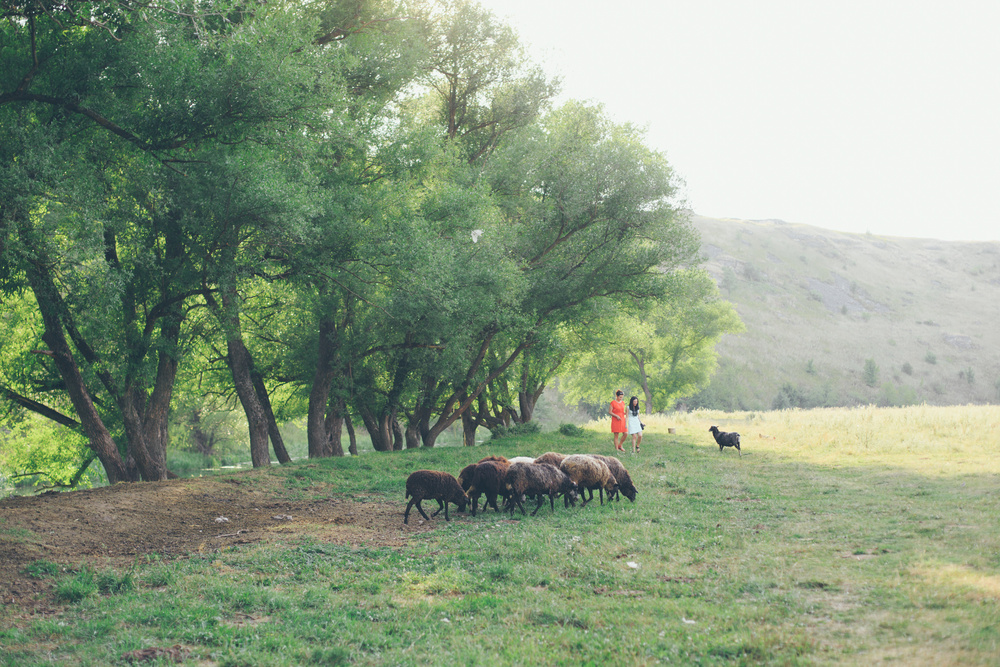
point(867, 536)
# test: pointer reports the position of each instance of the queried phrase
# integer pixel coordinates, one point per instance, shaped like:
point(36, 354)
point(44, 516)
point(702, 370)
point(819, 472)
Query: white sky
point(878, 116)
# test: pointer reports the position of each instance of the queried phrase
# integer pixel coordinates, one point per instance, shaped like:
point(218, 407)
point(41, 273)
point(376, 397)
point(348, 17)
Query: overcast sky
point(876, 116)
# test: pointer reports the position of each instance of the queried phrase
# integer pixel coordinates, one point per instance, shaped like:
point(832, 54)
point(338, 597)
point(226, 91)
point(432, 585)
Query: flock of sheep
point(517, 479)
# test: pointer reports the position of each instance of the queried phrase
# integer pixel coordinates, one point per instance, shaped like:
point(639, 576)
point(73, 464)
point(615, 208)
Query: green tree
point(663, 348)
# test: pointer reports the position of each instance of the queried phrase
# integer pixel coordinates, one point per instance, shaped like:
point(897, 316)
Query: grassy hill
point(850, 319)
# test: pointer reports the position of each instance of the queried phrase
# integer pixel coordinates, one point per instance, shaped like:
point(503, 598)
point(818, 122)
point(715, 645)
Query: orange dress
point(618, 425)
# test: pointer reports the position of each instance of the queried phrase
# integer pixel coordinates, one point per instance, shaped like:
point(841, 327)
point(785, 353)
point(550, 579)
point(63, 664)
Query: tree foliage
point(353, 211)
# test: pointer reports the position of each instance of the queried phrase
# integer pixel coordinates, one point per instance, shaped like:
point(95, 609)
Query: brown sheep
point(502, 460)
point(537, 479)
point(624, 480)
point(552, 458)
point(433, 485)
point(589, 474)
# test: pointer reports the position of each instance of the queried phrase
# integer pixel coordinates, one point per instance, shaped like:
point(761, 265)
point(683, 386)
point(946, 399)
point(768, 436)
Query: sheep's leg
point(491, 499)
point(475, 502)
point(446, 517)
point(406, 514)
point(541, 499)
point(441, 506)
point(600, 491)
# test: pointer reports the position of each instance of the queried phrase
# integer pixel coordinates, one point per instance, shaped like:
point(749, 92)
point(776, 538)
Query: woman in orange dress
point(619, 427)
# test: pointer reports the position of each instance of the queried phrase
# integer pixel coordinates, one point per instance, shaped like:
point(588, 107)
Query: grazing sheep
point(433, 485)
point(502, 460)
point(589, 474)
point(624, 480)
point(537, 479)
point(726, 439)
point(487, 479)
point(553, 458)
point(522, 459)
point(465, 476)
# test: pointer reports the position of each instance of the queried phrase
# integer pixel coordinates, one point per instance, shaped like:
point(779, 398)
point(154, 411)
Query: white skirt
point(632, 421)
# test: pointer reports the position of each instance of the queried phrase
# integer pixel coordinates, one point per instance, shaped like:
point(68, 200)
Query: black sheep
point(433, 485)
point(726, 439)
point(487, 479)
point(537, 479)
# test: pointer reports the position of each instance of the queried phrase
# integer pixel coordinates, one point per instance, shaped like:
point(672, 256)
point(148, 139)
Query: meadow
point(841, 536)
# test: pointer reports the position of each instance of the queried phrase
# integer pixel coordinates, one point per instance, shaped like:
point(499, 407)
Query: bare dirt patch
point(113, 526)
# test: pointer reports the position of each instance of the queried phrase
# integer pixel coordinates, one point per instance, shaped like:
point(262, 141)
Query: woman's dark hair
point(635, 408)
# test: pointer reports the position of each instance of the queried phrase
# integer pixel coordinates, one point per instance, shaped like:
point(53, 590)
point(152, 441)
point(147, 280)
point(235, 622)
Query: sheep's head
point(628, 491)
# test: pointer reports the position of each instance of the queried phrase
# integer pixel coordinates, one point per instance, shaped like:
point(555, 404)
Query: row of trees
point(336, 208)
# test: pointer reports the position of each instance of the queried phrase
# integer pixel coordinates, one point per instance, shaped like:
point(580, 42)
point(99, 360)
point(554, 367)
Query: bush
point(527, 428)
point(571, 430)
point(871, 373)
point(908, 368)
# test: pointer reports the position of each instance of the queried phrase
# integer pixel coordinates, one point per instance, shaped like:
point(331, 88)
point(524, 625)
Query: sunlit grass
point(930, 440)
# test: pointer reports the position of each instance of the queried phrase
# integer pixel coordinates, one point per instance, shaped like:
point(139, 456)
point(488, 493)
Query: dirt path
point(112, 526)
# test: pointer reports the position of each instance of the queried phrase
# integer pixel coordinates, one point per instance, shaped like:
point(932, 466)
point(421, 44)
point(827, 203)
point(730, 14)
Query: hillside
point(820, 305)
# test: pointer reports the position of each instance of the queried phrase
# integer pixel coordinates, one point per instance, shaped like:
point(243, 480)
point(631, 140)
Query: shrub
point(571, 430)
point(908, 368)
point(871, 373)
point(931, 358)
point(527, 428)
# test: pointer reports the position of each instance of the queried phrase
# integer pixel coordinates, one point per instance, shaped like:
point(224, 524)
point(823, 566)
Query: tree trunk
point(334, 424)
point(351, 434)
point(240, 365)
point(378, 430)
point(526, 401)
point(50, 306)
point(469, 424)
point(100, 440)
point(397, 434)
point(317, 420)
point(412, 436)
point(277, 442)
point(643, 379)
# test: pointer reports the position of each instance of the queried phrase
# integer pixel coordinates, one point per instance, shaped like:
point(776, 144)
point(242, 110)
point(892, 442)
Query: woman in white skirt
point(634, 425)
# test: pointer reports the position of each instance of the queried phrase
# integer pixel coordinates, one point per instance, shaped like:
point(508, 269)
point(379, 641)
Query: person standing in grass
point(634, 425)
point(618, 425)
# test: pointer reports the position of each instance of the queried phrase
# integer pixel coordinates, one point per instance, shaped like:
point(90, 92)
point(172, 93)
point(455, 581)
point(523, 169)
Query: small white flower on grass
point(632, 564)
point(445, 620)
point(476, 233)
point(221, 519)
point(688, 621)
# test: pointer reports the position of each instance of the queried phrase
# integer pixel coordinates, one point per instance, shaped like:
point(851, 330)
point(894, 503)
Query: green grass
point(784, 556)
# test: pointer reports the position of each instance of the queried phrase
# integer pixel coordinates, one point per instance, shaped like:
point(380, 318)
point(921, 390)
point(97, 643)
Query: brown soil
point(115, 526)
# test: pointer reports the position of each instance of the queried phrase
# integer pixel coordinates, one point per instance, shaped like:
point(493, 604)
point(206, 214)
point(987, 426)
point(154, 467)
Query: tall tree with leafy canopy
point(662, 348)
